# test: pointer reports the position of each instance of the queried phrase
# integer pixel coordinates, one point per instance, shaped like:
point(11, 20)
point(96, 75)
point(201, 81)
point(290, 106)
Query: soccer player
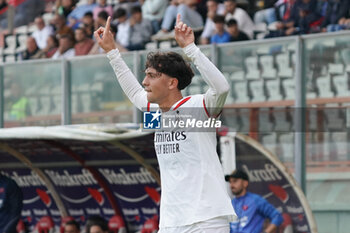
point(194, 197)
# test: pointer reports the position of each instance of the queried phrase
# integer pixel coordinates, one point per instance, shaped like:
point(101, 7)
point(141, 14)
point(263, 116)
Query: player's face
point(156, 85)
point(237, 186)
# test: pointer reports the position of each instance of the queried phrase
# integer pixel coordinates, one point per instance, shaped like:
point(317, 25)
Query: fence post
point(66, 117)
point(300, 116)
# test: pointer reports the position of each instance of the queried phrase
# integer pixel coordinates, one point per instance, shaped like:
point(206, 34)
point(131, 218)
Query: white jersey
point(192, 180)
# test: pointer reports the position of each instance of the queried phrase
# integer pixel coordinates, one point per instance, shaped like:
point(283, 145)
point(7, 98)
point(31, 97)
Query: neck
point(167, 104)
point(244, 191)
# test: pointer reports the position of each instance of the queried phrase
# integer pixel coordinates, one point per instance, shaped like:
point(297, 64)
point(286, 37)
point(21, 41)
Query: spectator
point(244, 21)
point(96, 49)
point(186, 8)
point(102, 6)
point(71, 227)
point(140, 30)
point(154, 10)
point(214, 8)
point(96, 224)
point(235, 33)
point(61, 27)
point(266, 15)
point(251, 209)
point(42, 33)
point(288, 18)
point(307, 15)
point(25, 12)
point(11, 199)
point(65, 7)
point(101, 19)
point(76, 16)
point(336, 12)
point(126, 5)
point(221, 35)
point(32, 51)
point(88, 23)
point(83, 43)
point(123, 27)
point(51, 46)
point(65, 48)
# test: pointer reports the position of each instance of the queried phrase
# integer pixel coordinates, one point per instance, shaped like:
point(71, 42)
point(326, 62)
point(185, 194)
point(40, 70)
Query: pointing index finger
point(108, 25)
point(178, 18)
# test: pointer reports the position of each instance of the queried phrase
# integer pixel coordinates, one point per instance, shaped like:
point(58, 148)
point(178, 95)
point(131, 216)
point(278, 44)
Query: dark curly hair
point(173, 65)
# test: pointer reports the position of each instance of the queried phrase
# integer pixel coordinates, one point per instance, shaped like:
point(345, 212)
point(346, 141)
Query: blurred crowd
point(69, 32)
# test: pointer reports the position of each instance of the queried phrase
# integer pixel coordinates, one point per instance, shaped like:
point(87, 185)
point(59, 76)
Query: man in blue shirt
point(10, 204)
point(221, 35)
point(251, 209)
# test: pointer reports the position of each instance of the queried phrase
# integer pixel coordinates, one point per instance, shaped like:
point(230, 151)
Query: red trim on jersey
point(148, 106)
point(182, 102)
point(205, 108)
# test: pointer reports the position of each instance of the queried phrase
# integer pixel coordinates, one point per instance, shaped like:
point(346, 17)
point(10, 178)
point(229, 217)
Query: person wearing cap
point(251, 209)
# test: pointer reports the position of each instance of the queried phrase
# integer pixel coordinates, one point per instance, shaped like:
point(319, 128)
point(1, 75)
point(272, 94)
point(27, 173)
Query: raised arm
point(216, 95)
point(126, 78)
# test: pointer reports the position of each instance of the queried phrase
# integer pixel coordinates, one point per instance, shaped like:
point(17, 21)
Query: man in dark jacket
point(10, 204)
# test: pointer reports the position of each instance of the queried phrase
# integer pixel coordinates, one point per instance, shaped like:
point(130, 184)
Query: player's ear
point(245, 183)
point(173, 82)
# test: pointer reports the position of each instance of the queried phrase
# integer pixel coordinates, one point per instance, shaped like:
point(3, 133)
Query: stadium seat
point(243, 120)
point(10, 44)
point(268, 68)
point(286, 143)
point(324, 87)
point(281, 121)
point(47, 17)
point(283, 65)
point(257, 90)
point(32, 28)
point(341, 85)
point(238, 75)
point(289, 89)
point(265, 121)
point(340, 142)
point(151, 46)
point(334, 119)
point(63, 222)
point(345, 55)
point(44, 100)
point(311, 119)
point(165, 45)
point(194, 89)
point(84, 94)
point(240, 91)
point(251, 64)
point(56, 96)
point(116, 224)
point(269, 141)
point(22, 41)
point(21, 29)
point(45, 225)
point(260, 30)
point(273, 89)
point(9, 58)
point(335, 69)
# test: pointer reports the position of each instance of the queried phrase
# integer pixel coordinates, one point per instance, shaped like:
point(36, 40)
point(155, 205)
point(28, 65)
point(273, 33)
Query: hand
point(104, 37)
point(183, 34)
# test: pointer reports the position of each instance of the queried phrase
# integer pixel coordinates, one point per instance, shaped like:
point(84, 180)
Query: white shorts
point(214, 225)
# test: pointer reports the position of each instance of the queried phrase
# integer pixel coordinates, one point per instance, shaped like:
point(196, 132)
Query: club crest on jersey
point(152, 120)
